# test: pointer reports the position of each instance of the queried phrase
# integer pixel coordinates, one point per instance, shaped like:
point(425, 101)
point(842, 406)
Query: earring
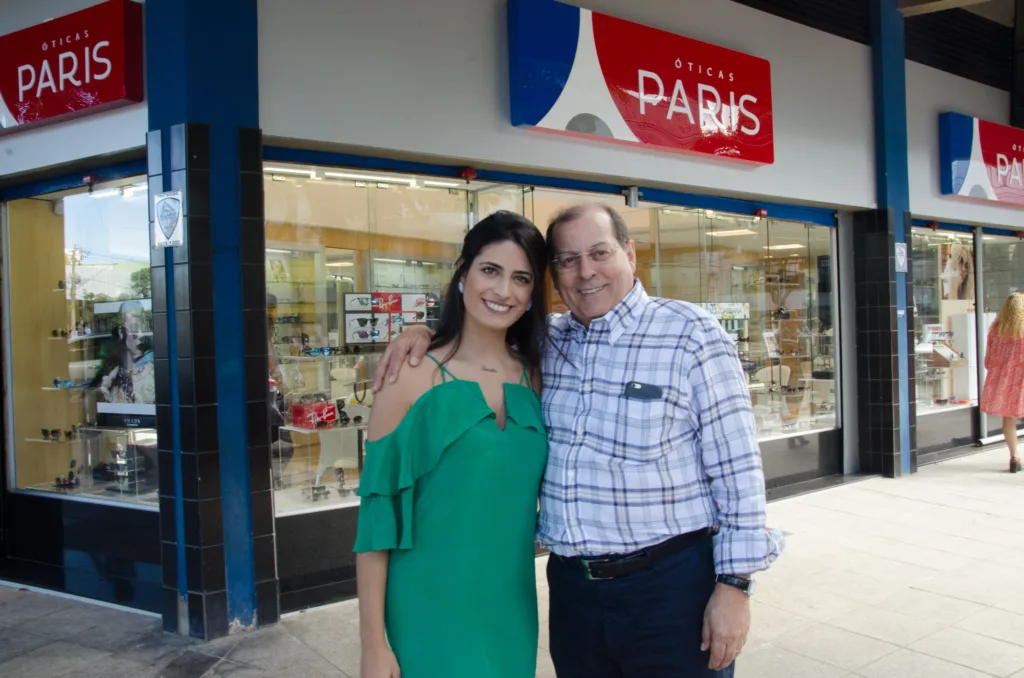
point(462, 288)
point(529, 304)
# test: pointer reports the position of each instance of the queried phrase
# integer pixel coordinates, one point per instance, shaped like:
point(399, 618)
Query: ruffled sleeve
point(395, 462)
point(386, 496)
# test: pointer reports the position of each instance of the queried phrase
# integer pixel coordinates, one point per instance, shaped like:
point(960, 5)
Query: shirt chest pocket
point(641, 425)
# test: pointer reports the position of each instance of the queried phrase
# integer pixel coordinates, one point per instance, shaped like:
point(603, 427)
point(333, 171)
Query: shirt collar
point(623, 316)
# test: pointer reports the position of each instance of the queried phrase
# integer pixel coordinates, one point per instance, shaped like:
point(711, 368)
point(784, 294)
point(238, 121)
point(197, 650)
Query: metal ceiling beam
point(916, 7)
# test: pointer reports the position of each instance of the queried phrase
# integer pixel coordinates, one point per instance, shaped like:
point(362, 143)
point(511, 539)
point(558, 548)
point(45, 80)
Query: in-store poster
point(124, 380)
point(956, 262)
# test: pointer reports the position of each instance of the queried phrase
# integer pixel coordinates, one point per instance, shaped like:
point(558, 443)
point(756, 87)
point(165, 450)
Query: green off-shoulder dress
point(454, 498)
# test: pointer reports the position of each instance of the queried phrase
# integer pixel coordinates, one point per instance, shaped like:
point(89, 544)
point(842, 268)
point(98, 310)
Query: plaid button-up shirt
point(625, 473)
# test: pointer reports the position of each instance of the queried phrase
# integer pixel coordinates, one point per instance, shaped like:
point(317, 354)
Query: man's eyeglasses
point(570, 261)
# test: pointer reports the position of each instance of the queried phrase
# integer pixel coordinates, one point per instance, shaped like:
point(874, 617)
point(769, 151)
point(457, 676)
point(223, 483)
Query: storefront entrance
point(353, 257)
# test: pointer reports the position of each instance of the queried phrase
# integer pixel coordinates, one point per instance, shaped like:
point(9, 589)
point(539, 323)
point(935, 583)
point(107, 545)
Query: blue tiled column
point(884, 321)
point(209, 317)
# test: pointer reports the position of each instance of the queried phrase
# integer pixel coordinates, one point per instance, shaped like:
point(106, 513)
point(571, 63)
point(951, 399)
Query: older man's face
point(602, 274)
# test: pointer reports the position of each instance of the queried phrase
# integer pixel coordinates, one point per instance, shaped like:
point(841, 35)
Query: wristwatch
point(745, 585)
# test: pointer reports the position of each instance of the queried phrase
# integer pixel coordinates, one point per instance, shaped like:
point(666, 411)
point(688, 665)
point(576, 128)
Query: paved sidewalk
point(913, 578)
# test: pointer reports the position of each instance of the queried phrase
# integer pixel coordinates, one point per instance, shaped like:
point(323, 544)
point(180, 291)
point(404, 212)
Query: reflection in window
point(354, 257)
point(945, 351)
point(770, 284)
point(1003, 259)
point(80, 318)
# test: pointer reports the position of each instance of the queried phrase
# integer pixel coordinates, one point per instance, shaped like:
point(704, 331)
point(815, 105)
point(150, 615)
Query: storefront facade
point(189, 420)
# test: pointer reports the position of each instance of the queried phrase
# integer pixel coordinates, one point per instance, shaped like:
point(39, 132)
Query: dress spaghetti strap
point(445, 374)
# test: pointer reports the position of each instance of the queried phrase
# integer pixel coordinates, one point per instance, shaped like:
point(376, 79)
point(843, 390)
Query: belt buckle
point(590, 575)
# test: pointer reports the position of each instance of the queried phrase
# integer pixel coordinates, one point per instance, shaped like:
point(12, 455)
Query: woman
point(127, 372)
point(1003, 395)
point(453, 468)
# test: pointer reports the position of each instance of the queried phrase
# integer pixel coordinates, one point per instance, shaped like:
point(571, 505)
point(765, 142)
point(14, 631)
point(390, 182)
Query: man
point(653, 502)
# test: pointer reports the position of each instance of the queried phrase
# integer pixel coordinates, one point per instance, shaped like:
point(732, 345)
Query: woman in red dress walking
point(1003, 395)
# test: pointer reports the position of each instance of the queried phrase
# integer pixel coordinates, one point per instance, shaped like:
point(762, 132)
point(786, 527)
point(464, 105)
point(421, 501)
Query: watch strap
point(745, 585)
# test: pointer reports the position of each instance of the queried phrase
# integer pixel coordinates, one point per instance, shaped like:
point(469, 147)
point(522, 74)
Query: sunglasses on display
point(364, 301)
point(363, 321)
point(66, 383)
point(59, 333)
point(289, 319)
point(60, 284)
point(52, 434)
point(363, 334)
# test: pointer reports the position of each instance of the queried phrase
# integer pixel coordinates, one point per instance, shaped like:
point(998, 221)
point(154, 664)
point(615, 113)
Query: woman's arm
point(389, 408)
point(371, 584)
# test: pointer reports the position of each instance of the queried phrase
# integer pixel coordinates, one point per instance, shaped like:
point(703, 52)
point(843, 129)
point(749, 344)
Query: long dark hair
point(529, 334)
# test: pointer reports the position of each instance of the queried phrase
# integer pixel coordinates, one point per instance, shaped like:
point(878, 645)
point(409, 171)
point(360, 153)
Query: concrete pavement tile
point(14, 642)
point(835, 646)
point(909, 664)
point(116, 667)
point(853, 585)
point(55, 659)
point(970, 649)
point(188, 664)
point(77, 619)
point(1012, 604)
point(998, 624)
point(769, 661)
point(926, 605)
point(227, 668)
point(886, 625)
point(278, 652)
point(119, 633)
point(156, 649)
point(768, 623)
point(18, 609)
point(964, 586)
point(807, 601)
point(545, 668)
point(332, 638)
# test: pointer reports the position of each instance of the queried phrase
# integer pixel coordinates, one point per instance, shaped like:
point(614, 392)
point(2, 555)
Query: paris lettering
point(74, 67)
point(714, 112)
point(1009, 171)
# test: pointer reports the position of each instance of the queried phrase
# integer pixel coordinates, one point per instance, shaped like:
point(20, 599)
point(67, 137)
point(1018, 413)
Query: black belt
point(613, 567)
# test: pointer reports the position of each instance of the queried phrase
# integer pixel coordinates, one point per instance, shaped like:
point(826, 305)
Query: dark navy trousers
point(644, 625)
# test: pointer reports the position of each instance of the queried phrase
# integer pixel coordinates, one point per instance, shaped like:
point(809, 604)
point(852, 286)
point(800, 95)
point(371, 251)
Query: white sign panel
point(728, 311)
point(168, 221)
point(901, 257)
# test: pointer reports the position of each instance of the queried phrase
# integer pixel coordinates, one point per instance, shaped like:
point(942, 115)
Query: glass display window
point(82, 411)
point(354, 257)
point(1003, 271)
point(945, 346)
point(769, 282)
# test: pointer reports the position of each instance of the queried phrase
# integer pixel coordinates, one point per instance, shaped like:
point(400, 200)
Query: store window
point(82, 406)
point(769, 282)
point(946, 353)
point(1003, 259)
point(355, 256)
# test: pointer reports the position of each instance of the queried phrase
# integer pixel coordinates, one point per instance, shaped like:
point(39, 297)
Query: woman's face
point(132, 342)
point(498, 285)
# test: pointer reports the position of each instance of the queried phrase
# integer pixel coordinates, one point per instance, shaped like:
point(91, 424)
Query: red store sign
point(77, 64)
point(578, 72)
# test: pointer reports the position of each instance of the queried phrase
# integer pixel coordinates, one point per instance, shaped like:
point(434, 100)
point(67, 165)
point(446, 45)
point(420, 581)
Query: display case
point(105, 463)
point(318, 432)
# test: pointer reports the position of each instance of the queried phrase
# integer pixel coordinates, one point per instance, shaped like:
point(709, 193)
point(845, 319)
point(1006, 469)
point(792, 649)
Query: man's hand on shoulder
point(413, 343)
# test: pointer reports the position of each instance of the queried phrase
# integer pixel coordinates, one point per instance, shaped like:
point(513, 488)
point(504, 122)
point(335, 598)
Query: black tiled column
point(878, 358)
point(256, 348)
point(203, 612)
